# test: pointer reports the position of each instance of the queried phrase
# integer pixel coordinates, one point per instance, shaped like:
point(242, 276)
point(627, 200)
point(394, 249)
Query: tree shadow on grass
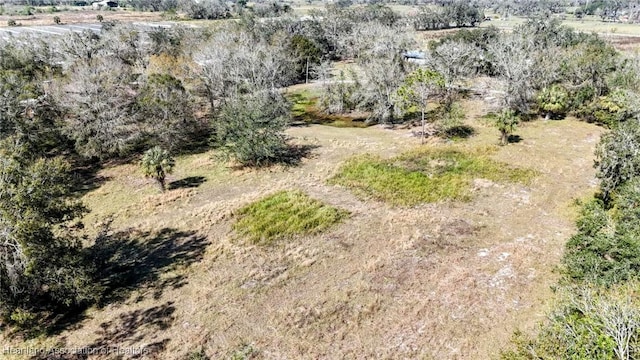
point(132, 328)
point(295, 153)
point(127, 261)
point(513, 139)
point(187, 183)
point(121, 337)
point(460, 132)
point(85, 176)
point(141, 260)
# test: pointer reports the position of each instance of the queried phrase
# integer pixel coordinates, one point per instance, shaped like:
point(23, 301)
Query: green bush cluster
point(587, 324)
point(553, 101)
point(609, 110)
point(43, 266)
point(606, 249)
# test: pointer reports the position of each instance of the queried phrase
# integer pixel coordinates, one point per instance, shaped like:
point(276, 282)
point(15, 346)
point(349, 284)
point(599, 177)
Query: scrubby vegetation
point(589, 324)
point(425, 176)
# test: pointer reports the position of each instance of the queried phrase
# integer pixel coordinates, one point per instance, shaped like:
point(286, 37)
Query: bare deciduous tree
point(455, 61)
point(233, 63)
point(83, 46)
point(379, 55)
point(511, 56)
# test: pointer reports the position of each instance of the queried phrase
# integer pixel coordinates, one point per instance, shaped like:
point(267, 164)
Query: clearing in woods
point(443, 280)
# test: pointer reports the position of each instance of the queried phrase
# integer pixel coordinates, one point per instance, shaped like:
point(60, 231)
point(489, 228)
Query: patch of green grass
point(285, 214)
point(425, 175)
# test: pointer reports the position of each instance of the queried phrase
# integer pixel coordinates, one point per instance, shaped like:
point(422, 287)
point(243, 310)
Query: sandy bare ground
point(442, 281)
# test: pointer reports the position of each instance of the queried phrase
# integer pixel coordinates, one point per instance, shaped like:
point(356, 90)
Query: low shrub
point(588, 324)
point(609, 110)
point(606, 249)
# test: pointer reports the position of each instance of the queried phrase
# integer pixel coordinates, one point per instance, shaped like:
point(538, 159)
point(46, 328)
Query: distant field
point(588, 24)
point(78, 15)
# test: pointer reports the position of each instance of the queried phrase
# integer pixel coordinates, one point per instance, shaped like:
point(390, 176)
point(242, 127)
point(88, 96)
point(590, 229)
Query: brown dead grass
point(80, 15)
point(442, 281)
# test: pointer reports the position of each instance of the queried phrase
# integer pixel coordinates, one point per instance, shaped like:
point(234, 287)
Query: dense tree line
point(458, 14)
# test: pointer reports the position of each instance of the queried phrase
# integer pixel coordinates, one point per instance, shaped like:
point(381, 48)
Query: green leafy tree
point(589, 64)
point(611, 110)
point(157, 163)
point(416, 90)
point(553, 101)
point(41, 261)
point(306, 54)
point(617, 159)
point(250, 129)
point(506, 122)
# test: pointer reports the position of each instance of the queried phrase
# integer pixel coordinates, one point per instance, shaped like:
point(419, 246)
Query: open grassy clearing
point(285, 214)
point(444, 280)
point(588, 24)
point(425, 175)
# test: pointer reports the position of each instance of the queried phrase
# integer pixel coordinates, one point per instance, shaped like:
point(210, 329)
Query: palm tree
point(157, 163)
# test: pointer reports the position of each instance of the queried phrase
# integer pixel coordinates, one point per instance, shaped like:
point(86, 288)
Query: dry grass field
point(448, 280)
point(80, 15)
